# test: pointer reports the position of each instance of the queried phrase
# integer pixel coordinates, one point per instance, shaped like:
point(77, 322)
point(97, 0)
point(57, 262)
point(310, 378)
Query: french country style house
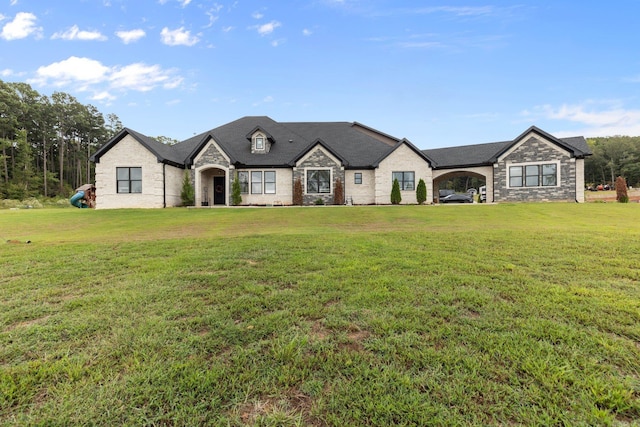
point(269, 157)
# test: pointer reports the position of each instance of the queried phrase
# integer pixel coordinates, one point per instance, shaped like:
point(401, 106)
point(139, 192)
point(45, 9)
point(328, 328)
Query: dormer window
point(261, 141)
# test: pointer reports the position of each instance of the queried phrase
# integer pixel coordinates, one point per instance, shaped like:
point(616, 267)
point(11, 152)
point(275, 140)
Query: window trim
point(522, 167)
point(265, 182)
point(260, 138)
point(128, 180)
point(402, 182)
point(357, 178)
point(306, 181)
point(256, 173)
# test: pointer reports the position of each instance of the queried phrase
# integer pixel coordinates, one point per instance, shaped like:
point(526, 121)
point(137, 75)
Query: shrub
point(236, 191)
point(338, 193)
point(188, 194)
point(297, 192)
point(421, 192)
point(396, 197)
point(319, 201)
point(621, 190)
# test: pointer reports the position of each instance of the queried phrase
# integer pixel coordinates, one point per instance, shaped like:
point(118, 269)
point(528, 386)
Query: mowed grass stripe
point(409, 315)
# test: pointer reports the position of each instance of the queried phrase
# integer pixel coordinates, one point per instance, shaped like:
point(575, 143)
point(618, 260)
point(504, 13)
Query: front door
point(218, 190)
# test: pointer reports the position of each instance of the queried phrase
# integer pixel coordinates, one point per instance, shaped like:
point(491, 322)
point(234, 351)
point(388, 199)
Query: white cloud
point(131, 35)
point(185, 3)
point(79, 71)
point(86, 74)
point(22, 26)
point(265, 100)
point(74, 33)
point(257, 15)
point(6, 72)
point(227, 29)
point(597, 118)
point(458, 10)
point(307, 32)
point(268, 28)
point(142, 78)
point(103, 96)
point(178, 37)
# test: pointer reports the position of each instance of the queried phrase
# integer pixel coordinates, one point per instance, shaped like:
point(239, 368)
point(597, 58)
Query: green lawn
point(402, 315)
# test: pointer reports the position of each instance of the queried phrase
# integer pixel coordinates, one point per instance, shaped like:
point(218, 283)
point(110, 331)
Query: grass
point(406, 315)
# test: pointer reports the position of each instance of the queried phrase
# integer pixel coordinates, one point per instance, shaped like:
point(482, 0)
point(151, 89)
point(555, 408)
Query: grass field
point(403, 315)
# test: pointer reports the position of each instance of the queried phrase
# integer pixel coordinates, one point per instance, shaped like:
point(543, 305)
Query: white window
point(357, 178)
point(259, 143)
point(256, 182)
point(270, 182)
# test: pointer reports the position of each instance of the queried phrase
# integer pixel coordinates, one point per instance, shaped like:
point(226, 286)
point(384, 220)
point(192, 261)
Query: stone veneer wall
point(211, 156)
point(318, 160)
point(536, 151)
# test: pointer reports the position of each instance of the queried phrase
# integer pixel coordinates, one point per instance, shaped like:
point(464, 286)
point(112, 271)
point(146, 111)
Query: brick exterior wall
point(318, 159)
point(534, 150)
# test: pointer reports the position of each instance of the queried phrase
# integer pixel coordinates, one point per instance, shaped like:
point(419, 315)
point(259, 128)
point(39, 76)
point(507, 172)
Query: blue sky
point(439, 73)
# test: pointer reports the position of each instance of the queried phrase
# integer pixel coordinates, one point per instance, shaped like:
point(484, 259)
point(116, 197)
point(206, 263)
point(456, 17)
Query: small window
point(129, 180)
point(256, 182)
point(318, 181)
point(357, 178)
point(243, 178)
point(259, 143)
point(405, 179)
point(270, 182)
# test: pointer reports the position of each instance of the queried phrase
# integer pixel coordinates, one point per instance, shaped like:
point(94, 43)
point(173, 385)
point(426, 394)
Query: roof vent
point(290, 141)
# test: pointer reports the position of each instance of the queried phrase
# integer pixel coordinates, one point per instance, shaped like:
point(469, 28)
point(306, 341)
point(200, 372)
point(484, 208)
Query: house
point(269, 157)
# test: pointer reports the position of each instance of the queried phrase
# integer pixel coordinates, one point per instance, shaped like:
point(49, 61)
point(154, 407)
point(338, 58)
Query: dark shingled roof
point(487, 154)
point(355, 145)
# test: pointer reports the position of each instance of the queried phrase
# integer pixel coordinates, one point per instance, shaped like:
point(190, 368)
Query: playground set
point(85, 197)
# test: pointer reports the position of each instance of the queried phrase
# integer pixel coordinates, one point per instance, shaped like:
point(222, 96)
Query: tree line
point(612, 157)
point(46, 141)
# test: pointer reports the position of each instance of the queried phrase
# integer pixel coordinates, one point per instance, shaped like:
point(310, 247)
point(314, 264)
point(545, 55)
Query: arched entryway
point(211, 188)
point(462, 180)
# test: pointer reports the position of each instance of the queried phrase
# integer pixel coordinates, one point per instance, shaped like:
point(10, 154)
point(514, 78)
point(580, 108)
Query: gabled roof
point(357, 146)
point(488, 154)
point(163, 152)
point(398, 145)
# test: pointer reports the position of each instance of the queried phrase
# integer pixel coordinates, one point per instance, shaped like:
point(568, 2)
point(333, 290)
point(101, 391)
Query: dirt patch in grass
point(610, 196)
point(27, 323)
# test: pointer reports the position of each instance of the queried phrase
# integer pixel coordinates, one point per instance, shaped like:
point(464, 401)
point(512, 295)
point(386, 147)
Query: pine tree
point(338, 193)
point(421, 192)
point(188, 194)
point(396, 197)
point(236, 191)
point(297, 192)
point(621, 190)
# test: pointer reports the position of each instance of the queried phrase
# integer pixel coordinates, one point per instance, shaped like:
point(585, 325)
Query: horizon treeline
point(613, 156)
point(46, 141)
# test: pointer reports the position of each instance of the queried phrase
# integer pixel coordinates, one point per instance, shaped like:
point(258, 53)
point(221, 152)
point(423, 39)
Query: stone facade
point(318, 158)
point(209, 163)
point(535, 151)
